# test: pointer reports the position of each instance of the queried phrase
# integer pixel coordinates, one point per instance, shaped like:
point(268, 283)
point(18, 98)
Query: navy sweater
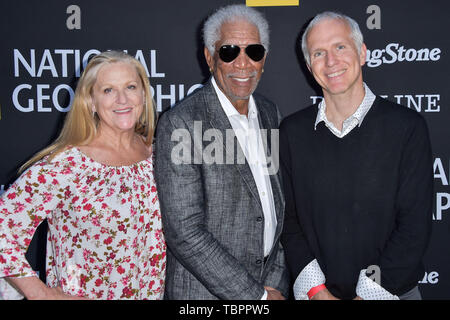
point(364, 199)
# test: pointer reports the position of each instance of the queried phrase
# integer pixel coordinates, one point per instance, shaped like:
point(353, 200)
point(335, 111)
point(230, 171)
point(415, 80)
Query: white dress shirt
point(248, 134)
point(247, 131)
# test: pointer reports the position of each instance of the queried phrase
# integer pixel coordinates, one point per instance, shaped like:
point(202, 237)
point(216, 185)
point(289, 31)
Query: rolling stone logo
point(394, 52)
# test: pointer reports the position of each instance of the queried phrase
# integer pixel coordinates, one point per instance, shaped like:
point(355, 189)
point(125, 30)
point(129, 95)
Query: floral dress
point(105, 238)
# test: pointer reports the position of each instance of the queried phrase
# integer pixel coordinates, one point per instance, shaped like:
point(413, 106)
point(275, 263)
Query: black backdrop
point(46, 43)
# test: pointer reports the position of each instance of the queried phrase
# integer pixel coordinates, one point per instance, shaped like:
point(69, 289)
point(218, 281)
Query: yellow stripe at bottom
point(271, 3)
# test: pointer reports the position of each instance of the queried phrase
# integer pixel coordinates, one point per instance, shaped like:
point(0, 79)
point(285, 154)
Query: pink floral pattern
point(105, 238)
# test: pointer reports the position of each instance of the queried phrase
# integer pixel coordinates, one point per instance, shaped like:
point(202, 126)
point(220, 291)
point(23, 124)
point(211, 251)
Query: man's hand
point(324, 295)
point(274, 294)
point(358, 298)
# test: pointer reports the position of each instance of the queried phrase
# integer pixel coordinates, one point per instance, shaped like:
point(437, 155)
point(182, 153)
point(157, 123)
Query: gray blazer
point(212, 215)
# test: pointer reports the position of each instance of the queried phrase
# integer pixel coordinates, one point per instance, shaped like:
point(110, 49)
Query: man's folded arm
point(402, 255)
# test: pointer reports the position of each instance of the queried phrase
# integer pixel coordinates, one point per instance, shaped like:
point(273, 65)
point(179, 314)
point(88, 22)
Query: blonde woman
point(95, 186)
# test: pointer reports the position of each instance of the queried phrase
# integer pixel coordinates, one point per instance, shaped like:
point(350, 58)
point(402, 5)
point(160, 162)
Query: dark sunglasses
point(229, 52)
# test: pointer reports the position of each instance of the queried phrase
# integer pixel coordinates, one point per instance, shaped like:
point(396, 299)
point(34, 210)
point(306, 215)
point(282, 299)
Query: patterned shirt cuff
point(370, 290)
point(311, 276)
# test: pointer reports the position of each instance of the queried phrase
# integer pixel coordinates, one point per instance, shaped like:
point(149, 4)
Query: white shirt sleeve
point(264, 297)
point(311, 276)
point(370, 290)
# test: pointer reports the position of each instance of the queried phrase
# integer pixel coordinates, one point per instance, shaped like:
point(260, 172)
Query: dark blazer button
point(259, 219)
point(258, 261)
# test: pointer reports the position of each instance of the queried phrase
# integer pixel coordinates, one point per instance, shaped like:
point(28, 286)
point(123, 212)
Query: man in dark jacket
point(357, 172)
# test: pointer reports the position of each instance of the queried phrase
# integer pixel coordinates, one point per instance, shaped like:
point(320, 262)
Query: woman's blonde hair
point(80, 125)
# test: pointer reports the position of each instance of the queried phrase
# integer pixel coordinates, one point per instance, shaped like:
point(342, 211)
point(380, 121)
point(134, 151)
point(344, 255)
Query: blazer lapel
point(219, 120)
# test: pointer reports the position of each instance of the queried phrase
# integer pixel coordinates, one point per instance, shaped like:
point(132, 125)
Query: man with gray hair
point(222, 221)
point(358, 178)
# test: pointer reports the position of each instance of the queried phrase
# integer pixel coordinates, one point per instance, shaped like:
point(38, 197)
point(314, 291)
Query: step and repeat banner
point(46, 45)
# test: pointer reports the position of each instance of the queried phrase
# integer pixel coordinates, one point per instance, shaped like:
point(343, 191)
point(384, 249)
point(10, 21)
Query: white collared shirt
point(247, 132)
point(351, 122)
